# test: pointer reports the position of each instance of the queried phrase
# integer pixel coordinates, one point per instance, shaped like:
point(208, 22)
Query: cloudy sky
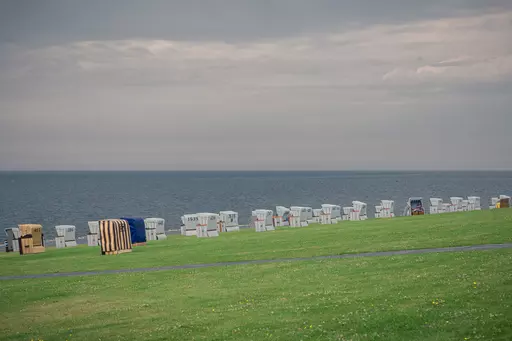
point(255, 84)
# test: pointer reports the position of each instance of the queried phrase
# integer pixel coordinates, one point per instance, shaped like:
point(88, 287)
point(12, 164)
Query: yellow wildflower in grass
point(437, 301)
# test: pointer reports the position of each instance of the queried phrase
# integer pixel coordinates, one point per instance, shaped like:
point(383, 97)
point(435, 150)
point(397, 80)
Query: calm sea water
point(55, 198)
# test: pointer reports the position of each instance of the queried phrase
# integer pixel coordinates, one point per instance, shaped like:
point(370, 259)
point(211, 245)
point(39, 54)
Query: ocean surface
point(74, 198)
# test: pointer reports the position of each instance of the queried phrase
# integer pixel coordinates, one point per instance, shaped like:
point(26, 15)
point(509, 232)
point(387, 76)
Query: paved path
point(263, 261)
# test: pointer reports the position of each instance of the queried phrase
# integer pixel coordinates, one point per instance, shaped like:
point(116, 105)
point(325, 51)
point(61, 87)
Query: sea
point(74, 198)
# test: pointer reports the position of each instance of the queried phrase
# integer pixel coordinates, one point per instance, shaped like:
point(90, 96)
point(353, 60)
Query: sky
point(255, 85)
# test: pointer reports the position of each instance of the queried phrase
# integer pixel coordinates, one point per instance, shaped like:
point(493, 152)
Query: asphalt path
point(264, 261)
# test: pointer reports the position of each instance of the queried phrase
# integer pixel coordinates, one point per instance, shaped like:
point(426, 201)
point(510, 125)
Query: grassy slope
point(457, 296)
point(454, 229)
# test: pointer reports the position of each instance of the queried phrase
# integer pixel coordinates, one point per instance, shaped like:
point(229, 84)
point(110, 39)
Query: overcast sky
point(255, 84)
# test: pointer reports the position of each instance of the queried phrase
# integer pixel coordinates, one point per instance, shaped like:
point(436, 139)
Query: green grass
point(439, 296)
point(444, 296)
point(455, 229)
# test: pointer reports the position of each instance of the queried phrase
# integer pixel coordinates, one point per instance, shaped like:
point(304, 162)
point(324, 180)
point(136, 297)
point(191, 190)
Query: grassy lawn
point(444, 296)
point(454, 229)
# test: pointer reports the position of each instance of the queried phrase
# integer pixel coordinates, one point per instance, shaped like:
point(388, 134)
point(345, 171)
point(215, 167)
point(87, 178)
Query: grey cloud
point(63, 21)
point(307, 93)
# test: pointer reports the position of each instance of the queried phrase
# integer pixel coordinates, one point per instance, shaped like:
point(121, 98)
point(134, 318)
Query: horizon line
point(254, 170)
